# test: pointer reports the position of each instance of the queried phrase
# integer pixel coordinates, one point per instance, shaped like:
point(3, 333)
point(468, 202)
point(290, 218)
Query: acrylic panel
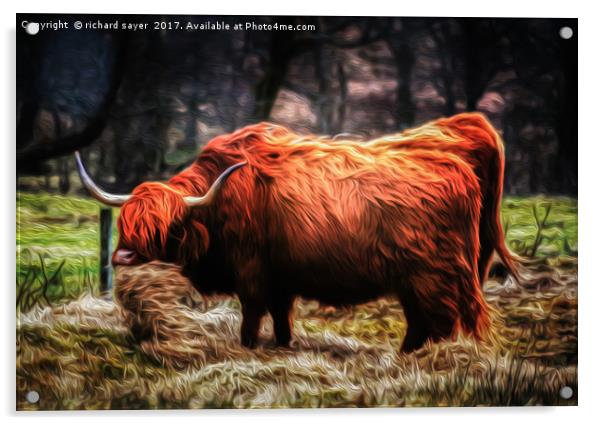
point(295, 212)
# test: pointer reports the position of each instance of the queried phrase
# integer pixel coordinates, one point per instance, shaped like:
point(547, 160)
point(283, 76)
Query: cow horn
point(207, 198)
point(95, 191)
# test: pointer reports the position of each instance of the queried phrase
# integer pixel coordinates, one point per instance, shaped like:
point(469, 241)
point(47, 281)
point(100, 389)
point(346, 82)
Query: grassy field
point(74, 348)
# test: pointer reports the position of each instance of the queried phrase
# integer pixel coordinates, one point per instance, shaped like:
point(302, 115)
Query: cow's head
point(155, 222)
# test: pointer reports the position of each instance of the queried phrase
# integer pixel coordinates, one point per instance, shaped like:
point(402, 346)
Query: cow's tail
point(491, 214)
point(490, 169)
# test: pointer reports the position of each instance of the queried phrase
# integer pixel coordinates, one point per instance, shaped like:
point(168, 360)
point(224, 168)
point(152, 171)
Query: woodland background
point(142, 103)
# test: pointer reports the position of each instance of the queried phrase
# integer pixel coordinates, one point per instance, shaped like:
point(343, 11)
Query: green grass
point(558, 233)
point(54, 230)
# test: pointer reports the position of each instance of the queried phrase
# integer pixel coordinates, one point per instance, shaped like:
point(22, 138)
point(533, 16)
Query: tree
point(286, 45)
point(31, 151)
point(399, 39)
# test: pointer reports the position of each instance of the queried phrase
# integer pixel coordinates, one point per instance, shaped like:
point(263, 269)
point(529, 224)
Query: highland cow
point(269, 215)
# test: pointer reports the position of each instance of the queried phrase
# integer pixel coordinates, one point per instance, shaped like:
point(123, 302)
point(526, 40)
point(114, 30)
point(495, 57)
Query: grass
point(75, 350)
point(54, 230)
point(557, 236)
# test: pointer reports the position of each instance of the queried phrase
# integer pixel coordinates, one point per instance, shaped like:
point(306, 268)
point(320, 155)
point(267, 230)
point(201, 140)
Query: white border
point(590, 205)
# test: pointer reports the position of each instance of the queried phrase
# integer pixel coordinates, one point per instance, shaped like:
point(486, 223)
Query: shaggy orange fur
point(336, 220)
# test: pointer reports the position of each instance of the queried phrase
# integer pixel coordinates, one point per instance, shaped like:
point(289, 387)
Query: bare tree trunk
point(191, 132)
point(478, 40)
point(281, 53)
point(403, 55)
point(565, 125)
point(323, 110)
point(63, 165)
point(442, 35)
point(342, 109)
point(64, 183)
point(283, 48)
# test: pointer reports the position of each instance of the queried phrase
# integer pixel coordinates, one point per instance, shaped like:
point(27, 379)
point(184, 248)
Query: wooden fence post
point(106, 228)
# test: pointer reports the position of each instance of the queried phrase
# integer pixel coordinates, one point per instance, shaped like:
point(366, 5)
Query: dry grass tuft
point(160, 307)
point(186, 351)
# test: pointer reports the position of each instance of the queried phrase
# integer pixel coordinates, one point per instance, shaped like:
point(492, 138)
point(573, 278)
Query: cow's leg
point(280, 309)
point(417, 330)
point(485, 254)
point(430, 305)
point(252, 295)
point(252, 313)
